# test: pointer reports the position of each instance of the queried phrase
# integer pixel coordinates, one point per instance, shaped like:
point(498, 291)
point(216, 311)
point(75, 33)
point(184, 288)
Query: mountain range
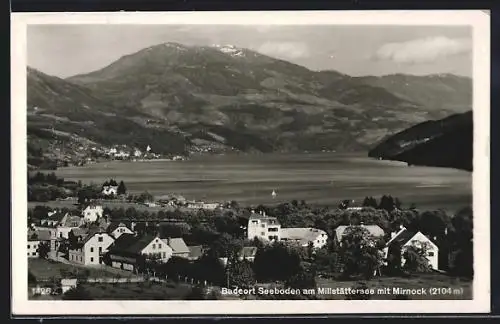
point(180, 99)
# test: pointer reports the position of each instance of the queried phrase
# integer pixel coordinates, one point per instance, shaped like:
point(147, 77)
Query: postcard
point(209, 163)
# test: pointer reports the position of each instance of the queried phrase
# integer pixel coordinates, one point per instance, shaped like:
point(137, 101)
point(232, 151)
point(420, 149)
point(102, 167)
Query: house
point(35, 238)
point(375, 230)
point(247, 253)
point(127, 250)
point(91, 250)
point(92, 213)
point(110, 190)
point(305, 236)
point(195, 252)
point(59, 225)
point(263, 227)
point(404, 238)
point(118, 228)
point(179, 247)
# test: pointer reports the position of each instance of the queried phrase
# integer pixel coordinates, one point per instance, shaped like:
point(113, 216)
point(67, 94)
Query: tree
point(43, 250)
point(415, 259)
point(303, 279)
point(359, 252)
point(370, 202)
point(31, 278)
point(122, 190)
point(387, 203)
point(241, 274)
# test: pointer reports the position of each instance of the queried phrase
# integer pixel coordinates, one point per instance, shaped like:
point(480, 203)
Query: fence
point(113, 280)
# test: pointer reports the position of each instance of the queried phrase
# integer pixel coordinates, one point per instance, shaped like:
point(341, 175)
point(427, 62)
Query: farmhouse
point(305, 236)
point(263, 227)
point(128, 250)
point(92, 248)
point(405, 238)
point(92, 213)
point(35, 238)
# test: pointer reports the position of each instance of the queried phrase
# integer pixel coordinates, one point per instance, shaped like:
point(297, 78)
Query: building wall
point(92, 213)
point(53, 235)
point(95, 247)
point(121, 230)
point(33, 248)
point(181, 255)
point(158, 246)
point(262, 230)
point(76, 256)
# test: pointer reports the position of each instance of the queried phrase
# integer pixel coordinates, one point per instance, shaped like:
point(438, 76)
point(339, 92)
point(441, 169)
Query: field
point(459, 289)
point(137, 291)
point(317, 178)
point(48, 269)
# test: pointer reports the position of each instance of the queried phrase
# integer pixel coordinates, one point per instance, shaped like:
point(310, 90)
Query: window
point(100, 249)
point(91, 259)
point(33, 254)
point(99, 239)
point(255, 222)
point(159, 246)
point(262, 233)
point(164, 255)
point(91, 249)
point(29, 247)
point(60, 234)
point(263, 225)
point(273, 229)
point(28, 254)
point(430, 253)
point(154, 246)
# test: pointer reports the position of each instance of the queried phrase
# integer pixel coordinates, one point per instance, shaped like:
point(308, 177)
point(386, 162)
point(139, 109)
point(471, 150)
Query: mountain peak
point(229, 49)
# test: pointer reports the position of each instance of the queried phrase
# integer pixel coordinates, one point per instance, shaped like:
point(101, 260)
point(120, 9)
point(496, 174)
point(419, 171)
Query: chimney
point(401, 226)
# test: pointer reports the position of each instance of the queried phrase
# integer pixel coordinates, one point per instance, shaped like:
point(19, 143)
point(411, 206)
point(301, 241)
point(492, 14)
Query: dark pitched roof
point(401, 239)
point(130, 244)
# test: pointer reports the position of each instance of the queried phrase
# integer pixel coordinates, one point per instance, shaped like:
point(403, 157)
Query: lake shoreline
point(319, 178)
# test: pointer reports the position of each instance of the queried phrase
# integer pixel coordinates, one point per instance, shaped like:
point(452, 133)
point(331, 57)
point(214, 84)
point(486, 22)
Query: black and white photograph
point(228, 160)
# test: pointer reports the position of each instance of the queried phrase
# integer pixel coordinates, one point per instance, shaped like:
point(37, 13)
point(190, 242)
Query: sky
point(67, 50)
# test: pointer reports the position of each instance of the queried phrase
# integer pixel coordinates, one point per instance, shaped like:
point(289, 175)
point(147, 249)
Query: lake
point(324, 178)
